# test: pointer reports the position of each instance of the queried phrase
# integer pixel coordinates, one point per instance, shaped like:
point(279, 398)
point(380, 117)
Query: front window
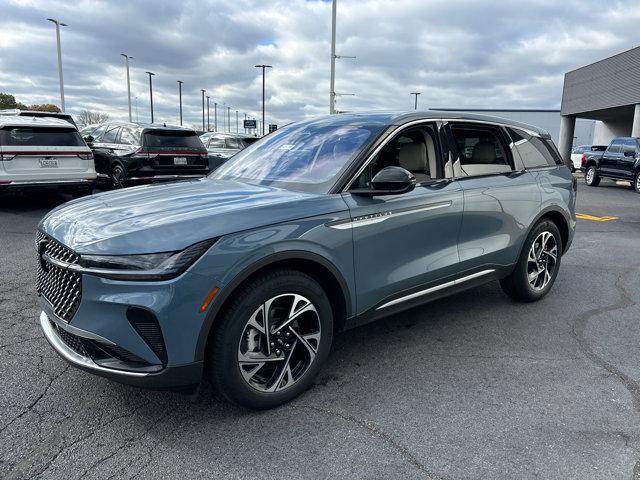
point(306, 156)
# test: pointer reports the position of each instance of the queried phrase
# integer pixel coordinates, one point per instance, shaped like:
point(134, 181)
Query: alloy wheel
point(279, 342)
point(117, 177)
point(541, 262)
point(591, 173)
point(637, 185)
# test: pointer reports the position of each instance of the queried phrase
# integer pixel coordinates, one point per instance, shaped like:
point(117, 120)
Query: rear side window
point(129, 136)
point(480, 151)
point(216, 143)
point(40, 137)
point(629, 146)
point(534, 151)
point(233, 143)
point(111, 135)
point(172, 139)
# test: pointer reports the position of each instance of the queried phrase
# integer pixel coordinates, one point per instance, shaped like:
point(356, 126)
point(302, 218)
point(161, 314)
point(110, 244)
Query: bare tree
point(87, 117)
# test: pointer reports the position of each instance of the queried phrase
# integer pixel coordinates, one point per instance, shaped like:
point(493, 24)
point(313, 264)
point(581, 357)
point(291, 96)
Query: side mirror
point(89, 139)
point(389, 181)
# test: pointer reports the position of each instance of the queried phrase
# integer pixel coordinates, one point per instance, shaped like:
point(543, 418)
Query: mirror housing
point(389, 181)
point(89, 139)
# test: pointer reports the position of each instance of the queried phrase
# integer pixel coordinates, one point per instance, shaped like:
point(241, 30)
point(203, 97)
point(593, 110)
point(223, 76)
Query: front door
point(610, 159)
point(404, 242)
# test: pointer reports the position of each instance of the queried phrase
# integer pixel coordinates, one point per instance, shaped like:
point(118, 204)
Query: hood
point(168, 217)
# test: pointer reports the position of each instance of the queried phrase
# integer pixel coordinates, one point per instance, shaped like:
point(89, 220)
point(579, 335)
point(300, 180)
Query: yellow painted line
point(586, 216)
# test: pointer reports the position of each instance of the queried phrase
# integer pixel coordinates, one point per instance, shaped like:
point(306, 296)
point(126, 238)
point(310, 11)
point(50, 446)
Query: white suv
point(44, 153)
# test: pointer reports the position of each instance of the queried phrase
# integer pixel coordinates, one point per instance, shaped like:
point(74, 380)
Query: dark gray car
point(321, 226)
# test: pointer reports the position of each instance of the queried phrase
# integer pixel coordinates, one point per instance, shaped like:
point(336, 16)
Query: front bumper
point(167, 378)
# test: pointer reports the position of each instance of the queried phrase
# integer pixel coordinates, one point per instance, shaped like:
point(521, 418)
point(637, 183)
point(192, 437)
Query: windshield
point(304, 156)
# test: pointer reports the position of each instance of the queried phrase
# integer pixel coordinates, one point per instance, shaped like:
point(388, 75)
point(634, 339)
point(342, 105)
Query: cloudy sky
point(459, 54)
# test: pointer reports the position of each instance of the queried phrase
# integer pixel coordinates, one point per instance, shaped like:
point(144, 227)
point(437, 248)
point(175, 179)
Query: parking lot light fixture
point(151, 74)
point(415, 94)
point(208, 124)
point(215, 116)
point(229, 119)
point(203, 92)
point(60, 76)
point(180, 82)
point(126, 63)
point(263, 67)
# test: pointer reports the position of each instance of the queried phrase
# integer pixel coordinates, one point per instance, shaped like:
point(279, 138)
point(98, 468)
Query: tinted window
point(111, 135)
point(304, 156)
point(615, 147)
point(480, 151)
point(129, 136)
point(172, 139)
point(40, 137)
point(534, 151)
point(629, 146)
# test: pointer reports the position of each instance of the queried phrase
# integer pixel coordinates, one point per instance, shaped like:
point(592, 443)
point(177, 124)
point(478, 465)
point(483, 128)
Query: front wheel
point(271, 340)
point(592, 178)
point(538, 266)
point(636, 182)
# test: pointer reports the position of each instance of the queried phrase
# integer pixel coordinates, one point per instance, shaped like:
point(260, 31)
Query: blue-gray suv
point(323, 225)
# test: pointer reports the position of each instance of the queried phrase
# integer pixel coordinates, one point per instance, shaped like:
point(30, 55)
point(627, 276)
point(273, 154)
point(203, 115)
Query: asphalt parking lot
point(474, 386)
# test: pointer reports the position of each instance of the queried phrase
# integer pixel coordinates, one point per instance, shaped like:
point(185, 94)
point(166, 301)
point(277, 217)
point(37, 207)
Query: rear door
point(610, 158)
point(627, 160)
point(405, 244)
point(175, 152)
point(500, 196)
point(45, 153)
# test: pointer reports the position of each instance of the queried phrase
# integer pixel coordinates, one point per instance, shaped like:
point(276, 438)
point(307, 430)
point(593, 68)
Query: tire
point(591, 176)
point(240, 335)
point(118, 177)
point(518, 285)
point(636, 182)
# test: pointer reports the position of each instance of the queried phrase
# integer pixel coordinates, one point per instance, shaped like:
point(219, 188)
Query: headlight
point(149, 267)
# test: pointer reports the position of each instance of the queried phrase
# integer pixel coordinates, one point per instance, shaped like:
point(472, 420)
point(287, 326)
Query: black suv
point(132, 153)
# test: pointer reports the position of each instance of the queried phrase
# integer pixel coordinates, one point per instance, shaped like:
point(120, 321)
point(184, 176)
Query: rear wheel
point(537, 268)
point(591, 177)
point(636, 182)
point(118, 176)
point(272, 340)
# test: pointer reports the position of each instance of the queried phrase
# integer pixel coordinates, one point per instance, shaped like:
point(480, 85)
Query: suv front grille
point(61, 288)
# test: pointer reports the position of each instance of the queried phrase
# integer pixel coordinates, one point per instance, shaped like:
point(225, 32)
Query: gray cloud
point(459, 54)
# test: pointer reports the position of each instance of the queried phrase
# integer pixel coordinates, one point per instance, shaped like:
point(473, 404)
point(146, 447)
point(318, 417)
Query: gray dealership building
point(607, 91)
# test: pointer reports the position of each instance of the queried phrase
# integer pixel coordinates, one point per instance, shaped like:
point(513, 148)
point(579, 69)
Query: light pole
point(236, 121)
point(263, 67)
point(229, 119)
point(126, 63)
point(180, 82)
point(215, 116)
point(58, 25)
point(203, 92)
point(151, 74)
point(208, 125)
point(415, 106)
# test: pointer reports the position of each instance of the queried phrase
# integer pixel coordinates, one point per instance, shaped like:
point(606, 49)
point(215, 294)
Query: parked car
point(321, 226)
point(578, 153)
point(223, 146)
point(39, 114)
point(134, 153)
point(44, 153)
point(620, 161)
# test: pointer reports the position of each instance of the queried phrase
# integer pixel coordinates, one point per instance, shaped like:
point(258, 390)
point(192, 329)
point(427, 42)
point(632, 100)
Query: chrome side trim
point(52, 182)
point(75, 358)
point(382, 216)
point(506, 123)
point(167, 177)
point(436, 288)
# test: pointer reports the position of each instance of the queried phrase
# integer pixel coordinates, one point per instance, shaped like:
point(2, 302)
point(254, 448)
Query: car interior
point(413, 149)
point(480, 152)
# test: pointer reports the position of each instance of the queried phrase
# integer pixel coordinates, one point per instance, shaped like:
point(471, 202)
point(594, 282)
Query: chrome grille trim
point(60, 287)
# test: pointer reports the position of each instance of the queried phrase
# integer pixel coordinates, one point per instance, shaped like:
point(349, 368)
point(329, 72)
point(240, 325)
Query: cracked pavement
point(473, 386)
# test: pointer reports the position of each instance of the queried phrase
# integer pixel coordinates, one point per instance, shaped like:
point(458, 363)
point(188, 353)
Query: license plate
point(48, 163)
point(180, 160)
